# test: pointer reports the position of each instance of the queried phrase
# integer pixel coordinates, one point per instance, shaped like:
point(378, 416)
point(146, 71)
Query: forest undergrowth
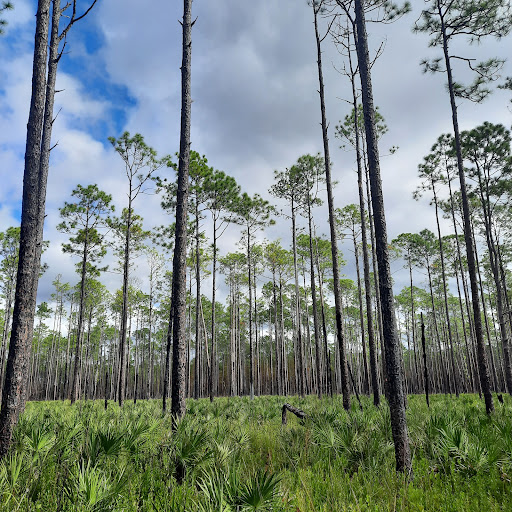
point(234, 455)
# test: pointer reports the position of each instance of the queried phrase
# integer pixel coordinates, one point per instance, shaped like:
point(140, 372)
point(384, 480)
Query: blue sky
point(255, 109)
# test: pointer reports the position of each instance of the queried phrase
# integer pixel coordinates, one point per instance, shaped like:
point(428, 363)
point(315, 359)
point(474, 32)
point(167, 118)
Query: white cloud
point(256, 106)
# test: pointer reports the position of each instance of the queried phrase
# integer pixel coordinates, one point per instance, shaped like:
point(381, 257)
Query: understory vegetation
point(235, 455)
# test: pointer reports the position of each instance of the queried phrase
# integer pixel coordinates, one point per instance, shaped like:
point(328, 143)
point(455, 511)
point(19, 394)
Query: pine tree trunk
point(425, 368)
point(366, 266)
point(213, 363)
point(366, 385)
point(318, 350)
point(477, 319)
point(121, 391)
point(500, 293)
point(13, 399)
point(75, 391)
point(179, 284)
point(300, 357)
point(251, 345)
point(445, 294)
point(5, 333)
point(334, 246)
point(391, 344)
point(329, 386)
point(167, 365)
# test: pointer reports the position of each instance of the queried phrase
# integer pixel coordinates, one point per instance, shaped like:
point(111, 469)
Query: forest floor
point(234, 455)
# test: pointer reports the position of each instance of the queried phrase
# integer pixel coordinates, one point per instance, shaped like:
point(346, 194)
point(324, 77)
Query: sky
point(255, 108)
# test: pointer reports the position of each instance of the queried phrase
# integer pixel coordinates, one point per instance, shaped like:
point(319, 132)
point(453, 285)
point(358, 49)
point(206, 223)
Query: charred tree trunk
point(13, 398)
point(179, 283)
point(391, 343)
point(334, 246)
point(121, 389)
point(445, 294)
point(300, 360)
point(318, 350)
point(425, 368)
point(468, 236)
point(213, 355)
point(287, 407)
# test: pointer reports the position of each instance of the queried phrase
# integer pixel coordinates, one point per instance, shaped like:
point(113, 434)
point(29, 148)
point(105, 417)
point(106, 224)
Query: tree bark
point(75, 386)
point(425, 368)
point(332, 226)
point(213, 363)
point(445, 293)
point(391, 343)
point(366, 263)
point(318, 350)
point(251, 344)
point(179, 283)
point(13, 399)
point(468, 236)
point(287, 407)
point(121, 389)
point(297, 306)
point(167, 364)
point(500, 292)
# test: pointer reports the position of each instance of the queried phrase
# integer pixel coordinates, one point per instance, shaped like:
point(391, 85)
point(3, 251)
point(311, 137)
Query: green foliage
point(346, 131)
point(259, 491)
point(6, 6)
point(445, 20)
point(84, 219)
point(234, 455)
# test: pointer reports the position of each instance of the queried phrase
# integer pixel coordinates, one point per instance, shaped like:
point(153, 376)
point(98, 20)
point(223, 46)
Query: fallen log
point(287, 407)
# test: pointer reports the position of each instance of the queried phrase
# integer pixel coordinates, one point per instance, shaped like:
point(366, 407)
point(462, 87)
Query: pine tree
point(84, 219)
point(446, 21)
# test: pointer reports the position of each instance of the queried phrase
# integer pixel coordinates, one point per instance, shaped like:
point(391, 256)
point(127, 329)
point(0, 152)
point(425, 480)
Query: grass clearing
point(234, 455)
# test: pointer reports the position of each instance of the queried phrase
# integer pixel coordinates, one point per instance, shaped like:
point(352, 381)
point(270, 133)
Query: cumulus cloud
point(256, 105)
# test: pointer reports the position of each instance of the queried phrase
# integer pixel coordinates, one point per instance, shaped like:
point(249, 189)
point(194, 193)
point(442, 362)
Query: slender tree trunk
point(464, 330)
point(284, 357)
point(51, 355)
point(251, 345)
point(425, 367)
point(167, 365)
point(300, 357)
point(318, 350)
point(179, 283)
point(329, 387)
point(361, 319)
point(256, 338)
point(75, 391)
point(121, 389)
point(213, 364)
point(443, 371)
point(149, 389)
point(445, 293)
point(464, 285)
point(334, 246)
point(494, 263)
point(391, 344)
point(65, 377)
point(310, 383)
point(477, 319)
point(5, 333)
point(366, 264)
point(413, 317)
point(276, 335)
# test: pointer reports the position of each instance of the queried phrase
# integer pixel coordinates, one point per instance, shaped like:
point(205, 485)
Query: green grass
point(234, 455)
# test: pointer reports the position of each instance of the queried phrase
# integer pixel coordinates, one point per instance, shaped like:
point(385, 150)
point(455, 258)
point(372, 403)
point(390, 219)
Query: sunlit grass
point(234, 455)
